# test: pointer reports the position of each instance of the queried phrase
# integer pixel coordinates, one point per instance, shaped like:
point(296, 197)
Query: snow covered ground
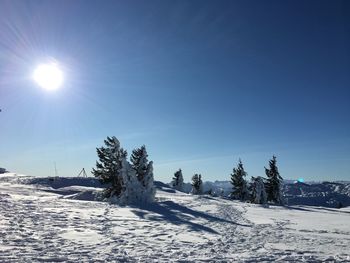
point(40, 223)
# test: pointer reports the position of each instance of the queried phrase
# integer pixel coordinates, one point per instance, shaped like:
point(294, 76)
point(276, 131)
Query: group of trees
point(132, 182)
point(127, 182)
point(178, 183)
point(260, 190)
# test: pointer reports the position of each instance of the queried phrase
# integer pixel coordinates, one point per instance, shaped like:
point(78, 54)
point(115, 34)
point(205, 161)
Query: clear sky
point(200, 83)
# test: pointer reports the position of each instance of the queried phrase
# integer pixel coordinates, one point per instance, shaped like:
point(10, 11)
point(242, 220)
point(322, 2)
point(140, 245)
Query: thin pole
point(55, 169)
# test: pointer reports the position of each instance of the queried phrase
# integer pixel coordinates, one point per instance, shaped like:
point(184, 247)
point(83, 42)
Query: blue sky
point(200, 83)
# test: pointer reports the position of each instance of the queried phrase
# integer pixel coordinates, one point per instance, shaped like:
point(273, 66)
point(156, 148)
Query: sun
point(48, 76)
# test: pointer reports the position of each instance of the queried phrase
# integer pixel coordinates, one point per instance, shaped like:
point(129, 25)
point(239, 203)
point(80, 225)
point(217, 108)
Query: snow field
point(42, 224)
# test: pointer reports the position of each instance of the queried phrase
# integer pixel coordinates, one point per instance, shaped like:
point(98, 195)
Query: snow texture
point(39, 223)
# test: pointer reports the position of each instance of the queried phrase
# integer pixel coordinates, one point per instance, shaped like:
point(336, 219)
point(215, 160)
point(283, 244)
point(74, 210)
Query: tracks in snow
point(38, 226)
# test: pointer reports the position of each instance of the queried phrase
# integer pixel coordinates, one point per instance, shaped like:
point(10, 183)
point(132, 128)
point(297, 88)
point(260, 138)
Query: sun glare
point(48, 76)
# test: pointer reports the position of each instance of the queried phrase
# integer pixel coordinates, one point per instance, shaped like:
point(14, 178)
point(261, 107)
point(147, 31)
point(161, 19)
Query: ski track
point(38, 226)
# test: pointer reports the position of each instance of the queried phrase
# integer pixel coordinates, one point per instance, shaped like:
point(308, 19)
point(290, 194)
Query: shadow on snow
point(179, 215)
point(316, 209)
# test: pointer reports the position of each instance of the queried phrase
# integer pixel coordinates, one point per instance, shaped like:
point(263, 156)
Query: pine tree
point(131, 186)
point(239, 184)
point(178, 180)
point(274, 182)
point(133, 190)
point(149, 190)
point(139, 162)
point(257, 191)
point(143, 170)
point(108, 168)
point(197, 184)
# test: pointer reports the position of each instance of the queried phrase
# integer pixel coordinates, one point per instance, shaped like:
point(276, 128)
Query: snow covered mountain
point(46, 220)
point(327, 194)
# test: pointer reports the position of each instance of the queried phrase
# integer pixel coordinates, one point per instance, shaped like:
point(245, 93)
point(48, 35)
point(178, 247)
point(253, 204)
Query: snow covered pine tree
point(139, 162)
point(239, 184)
point(274, 183)
point(130, 184)
point(108, 169)
point(131, 187)
point(144, 173)
point(178, 180)
point(197, 184)
point(257, 191)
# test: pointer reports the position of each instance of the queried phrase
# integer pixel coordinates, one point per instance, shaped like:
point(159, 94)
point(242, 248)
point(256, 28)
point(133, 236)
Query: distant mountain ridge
point(328, 194)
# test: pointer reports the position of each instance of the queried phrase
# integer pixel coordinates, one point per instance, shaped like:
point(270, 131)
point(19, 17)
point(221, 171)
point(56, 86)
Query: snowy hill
point(59, 182)
point(40, 223)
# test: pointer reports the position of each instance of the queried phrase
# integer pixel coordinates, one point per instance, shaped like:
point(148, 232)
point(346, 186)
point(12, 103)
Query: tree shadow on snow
point(299, 208)
point(179, 215)
point(334, 210)
point(316, 209)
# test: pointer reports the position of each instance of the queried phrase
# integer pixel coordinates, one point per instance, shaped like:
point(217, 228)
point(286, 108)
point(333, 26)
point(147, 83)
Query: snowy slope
point(42, 224)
